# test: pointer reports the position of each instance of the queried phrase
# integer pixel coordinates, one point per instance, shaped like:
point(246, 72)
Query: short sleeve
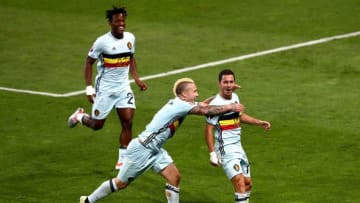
point(96, 49)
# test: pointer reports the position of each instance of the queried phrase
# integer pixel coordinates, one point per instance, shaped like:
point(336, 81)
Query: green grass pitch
point(310, 95)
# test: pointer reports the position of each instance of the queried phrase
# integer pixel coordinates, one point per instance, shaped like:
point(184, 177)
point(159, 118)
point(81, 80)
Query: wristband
point(213, 154)
point(214, 160)
point(90, 90)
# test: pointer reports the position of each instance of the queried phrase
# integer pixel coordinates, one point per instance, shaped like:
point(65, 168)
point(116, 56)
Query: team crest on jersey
point(236, 167)
point(97, 112)
point(129, 45)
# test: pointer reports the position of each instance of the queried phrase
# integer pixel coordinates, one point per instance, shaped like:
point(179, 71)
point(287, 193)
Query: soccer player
point(114, 52)
point(147, 152)
point(226, 129)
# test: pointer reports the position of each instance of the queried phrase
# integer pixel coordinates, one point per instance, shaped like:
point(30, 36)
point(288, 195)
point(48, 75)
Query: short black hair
point(226, 72)
point(115, 10)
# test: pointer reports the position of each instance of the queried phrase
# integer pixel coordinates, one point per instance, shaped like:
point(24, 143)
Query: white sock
point(241, 198)
point(122, 153)
point(80, 116)
point(105, 189)
point(172, 193)
point(248, 195)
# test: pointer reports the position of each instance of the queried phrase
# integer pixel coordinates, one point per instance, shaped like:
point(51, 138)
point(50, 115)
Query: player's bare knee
point(127, 124)
point(120, 185)
point(239, 183)
point(248, 184)
point(174, 180)
point(177, 179)
point(248, 187)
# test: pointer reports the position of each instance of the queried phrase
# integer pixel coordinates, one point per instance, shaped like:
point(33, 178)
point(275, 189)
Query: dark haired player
point(228, 151)
point(114, 53)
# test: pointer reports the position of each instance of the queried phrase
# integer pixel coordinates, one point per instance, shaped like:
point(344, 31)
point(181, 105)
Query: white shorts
point(235, 167)
point(105, 102)
point(139, 159)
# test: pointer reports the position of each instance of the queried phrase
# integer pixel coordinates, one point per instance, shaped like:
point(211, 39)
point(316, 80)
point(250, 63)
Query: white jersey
point(114, 56)
point(164, 123)
point(227, 127)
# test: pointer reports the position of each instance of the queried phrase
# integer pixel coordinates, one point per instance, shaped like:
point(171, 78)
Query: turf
point(310, 95)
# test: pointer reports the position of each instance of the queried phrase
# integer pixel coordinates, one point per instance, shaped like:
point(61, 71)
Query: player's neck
point(227, 97)
point(117, 35)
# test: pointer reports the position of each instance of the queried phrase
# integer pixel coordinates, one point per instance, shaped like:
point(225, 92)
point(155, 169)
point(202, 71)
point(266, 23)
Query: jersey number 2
point(131, 97)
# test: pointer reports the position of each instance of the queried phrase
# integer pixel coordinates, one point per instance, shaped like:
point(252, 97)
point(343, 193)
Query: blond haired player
point(147, 152)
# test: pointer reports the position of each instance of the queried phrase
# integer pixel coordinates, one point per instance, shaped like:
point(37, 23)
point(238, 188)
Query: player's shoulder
point(129, 35)
point(234, 95)
point(104, 38)
point(181, 105)
point(217, 99)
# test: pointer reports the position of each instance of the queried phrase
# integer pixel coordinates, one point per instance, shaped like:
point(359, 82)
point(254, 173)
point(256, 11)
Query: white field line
point(205, 65)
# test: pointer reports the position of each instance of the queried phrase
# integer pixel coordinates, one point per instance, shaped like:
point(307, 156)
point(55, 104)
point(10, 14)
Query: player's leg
point(76, 117)
point(93, 123)
point(126, 119)
point(172, 176)
point(104, 190)
point(134, 165)
point(79, 116)
point(238, 183)
point(237, 170)
point(101, 108)
point(248, 186)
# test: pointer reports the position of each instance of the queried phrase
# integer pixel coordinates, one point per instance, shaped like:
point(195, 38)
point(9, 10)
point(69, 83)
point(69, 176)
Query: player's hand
point(141, 84)
point(265, 124)
point(236, 86)
point(91, 98)
point(237, 107)
point(214, 159)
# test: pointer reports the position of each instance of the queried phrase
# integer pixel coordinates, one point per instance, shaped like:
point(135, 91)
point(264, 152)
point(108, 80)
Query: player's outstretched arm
point(254, 121)
point(204, 109)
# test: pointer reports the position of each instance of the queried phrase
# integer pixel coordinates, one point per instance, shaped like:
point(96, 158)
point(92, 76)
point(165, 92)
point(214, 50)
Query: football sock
point(80, 116)
point(241, 198)
point(172, 193)
point(122, 153)
point(248, 196)
point(105, 189)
